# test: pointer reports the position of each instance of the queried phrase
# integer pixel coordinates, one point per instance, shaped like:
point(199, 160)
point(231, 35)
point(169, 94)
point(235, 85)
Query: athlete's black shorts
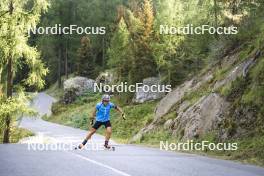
point(97, 124)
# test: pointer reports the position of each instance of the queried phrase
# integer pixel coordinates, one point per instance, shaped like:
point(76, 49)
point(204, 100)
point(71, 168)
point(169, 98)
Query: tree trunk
point(66, 59)
point(103, 53)
point(234, 7)
point(60, 59)
point(1, 87)
point(216, 18)
point(59, 66)
point(9, 86)
point(9, 90)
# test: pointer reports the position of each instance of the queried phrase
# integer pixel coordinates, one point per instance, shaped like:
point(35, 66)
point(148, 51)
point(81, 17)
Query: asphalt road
point(30, 158)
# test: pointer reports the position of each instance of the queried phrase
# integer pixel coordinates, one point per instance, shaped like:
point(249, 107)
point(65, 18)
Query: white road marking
point(102, 165)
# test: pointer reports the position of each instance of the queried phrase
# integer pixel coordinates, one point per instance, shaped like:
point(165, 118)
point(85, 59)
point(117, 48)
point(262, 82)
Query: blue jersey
point(103, 111)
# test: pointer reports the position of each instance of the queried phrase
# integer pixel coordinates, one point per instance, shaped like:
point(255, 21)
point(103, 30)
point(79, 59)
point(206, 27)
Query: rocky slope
point(200, 105)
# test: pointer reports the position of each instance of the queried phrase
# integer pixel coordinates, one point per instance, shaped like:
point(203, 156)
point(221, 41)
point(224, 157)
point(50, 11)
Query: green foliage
point(250, 150)
point(13, 41)
point(143, 60)
point(15, 51)
point(118, 53)
point(71, 114)
point(153, 138)
point(55, 91)
point(255, 93)
point(193, 96)
point(137, 117)
point(88, 97)
point(61, 54)
point(79, 121)
point(14, 106)
point(57, 108)
point(85, 63)
point(136, 49)
point(18, 133)
point(130, 45)
point(133, 43)
point(235, 89)
point(249, 90)
point(78, 114)
point(178, 56)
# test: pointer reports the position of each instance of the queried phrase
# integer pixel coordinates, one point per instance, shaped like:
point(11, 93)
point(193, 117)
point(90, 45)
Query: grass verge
point(17, 133)
point(78, 115)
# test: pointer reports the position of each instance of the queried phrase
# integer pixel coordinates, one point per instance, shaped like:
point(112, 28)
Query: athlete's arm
point(94, 113)
point(121, 111)
point(93, 117)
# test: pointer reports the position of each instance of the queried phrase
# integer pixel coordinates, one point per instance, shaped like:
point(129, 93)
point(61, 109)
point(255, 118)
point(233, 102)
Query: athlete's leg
point(90, 133)
point(88, 136)
point(108, 133)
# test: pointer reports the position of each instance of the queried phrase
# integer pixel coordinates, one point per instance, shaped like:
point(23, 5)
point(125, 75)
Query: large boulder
point(76, 86)
point(141, 96)
point(178, 93)
point(172, 98)
point(192, 121)
point(204, 116)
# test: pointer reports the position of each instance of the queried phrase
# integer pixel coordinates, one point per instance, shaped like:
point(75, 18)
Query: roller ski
point(108, 147)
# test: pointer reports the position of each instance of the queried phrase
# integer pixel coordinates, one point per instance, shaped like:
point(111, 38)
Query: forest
point(133, 38)
point(125, 37)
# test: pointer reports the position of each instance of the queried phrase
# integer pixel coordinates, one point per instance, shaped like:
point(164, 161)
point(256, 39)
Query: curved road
point(29, 157)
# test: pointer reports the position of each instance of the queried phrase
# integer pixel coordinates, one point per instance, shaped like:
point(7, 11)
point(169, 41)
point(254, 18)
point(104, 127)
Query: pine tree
point(119, 53)
point(148, 19)
point(143, 61)
point(14, 24)
point(85, 63)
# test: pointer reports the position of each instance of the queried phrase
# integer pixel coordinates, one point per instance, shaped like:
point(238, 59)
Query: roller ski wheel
point(108, 147)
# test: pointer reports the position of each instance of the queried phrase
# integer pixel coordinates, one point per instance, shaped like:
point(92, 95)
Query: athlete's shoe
point(80, 146)
point(107, 147)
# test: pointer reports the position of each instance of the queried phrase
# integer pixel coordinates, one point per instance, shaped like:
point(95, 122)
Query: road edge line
point(102, 165)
